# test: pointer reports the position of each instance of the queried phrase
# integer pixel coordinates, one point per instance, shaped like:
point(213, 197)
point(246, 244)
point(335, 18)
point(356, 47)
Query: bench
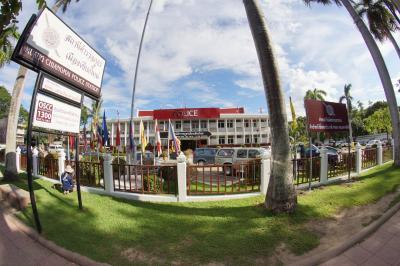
point(16, 197)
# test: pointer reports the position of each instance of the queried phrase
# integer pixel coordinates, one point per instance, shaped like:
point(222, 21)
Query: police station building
point(199, 127)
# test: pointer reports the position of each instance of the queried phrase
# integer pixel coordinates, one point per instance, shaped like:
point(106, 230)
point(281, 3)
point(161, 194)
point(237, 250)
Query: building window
point(221, 123)
point(263, 120)
point(178, 125)
point(239, 136)
point(230, 139)
point(229, 123)
point(246, 123)
point(161, 126)
point(255, 139)
point(203, 124)
point(247, 140)
point(195, 124)
point(221, 140)
point(254, 123)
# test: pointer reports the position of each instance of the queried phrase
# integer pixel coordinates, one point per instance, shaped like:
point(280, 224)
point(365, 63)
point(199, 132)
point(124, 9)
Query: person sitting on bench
point(66, 180)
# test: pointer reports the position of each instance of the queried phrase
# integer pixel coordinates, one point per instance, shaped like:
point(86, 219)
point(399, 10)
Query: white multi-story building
point(197, 127)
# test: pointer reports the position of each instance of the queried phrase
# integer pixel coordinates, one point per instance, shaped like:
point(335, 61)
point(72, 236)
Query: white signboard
point(53, 47)
point(61, 90)
point(53, 114)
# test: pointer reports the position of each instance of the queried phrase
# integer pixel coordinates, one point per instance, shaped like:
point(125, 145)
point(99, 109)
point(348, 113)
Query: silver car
point(230, 156)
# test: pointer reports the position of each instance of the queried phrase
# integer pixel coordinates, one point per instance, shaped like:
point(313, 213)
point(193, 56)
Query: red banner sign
point(326, 116)
point(186, 113)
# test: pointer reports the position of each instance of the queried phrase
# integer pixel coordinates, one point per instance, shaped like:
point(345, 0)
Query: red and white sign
point(186, 113)
point(326, 116)
point(54, 48)
point(53, 114)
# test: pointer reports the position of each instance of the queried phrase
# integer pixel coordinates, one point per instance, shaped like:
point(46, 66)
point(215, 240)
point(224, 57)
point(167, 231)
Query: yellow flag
point(294, 121)
point(143, 139)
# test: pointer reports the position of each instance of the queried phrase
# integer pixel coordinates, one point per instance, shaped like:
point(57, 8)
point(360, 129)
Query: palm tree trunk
point(383, 74)
point(395, 45)
point(349, 118)
point(281, 195)
point(13, 115)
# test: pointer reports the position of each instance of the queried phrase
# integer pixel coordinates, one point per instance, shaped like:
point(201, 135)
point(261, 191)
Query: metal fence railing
point(91, 173)
point(368, 158)
point(48, 167)
point(224, 179)
point(339, 165)
point(387, 153)
point(145, 179)
point(24, 161)
point(302, 169)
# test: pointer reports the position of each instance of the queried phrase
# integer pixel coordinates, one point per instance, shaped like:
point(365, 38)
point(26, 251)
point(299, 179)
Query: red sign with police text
point(326, 116)
point(186, 113)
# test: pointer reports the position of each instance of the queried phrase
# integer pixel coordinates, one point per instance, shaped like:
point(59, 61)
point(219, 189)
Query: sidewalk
point(16, 248)
point(380, 249)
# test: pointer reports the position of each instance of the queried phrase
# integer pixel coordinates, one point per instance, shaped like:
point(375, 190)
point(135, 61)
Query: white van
point(54, 148)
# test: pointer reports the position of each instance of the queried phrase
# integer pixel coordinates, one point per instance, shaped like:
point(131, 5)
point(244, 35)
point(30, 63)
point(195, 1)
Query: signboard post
point(326, 117)
point(73, 70)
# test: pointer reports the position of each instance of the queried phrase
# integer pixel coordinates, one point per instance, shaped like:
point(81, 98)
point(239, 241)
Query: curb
point(62, 252)
point(357, 238)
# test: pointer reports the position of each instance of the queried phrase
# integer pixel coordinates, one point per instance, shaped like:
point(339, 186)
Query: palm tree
point(315, 94)
point(381, 67)
point(348, 99)
point(7, 37)
point(281, 195)
point(380, 19)
point(11, 168)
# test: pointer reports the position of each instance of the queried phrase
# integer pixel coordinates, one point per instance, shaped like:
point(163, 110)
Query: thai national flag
point(132, 144)
point(105, 130)
point(158, 139)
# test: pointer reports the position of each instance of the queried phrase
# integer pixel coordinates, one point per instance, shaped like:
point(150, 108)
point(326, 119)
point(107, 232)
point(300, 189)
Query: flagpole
point(169, 125)
point(136, 69)
point(118, 137)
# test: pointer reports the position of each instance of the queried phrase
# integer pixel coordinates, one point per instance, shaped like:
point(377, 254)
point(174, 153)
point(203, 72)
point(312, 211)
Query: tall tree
point(380, 20)
point(315, 94)
point(9, 12)
point(348, 98)
point(281, 195)
point(11, 168)
point(381, 67)
point(379, 122)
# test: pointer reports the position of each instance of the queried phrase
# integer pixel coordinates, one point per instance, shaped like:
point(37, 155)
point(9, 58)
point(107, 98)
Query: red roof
point(238, 110)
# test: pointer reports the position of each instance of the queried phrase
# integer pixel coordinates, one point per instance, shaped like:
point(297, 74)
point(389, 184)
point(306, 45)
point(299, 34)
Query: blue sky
point(200, 53)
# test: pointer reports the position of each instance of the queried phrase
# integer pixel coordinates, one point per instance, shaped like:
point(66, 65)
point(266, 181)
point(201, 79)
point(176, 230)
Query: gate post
point(181, 169)
point(265, 174)
point(379, 153)
point(35, 154)
point(18, 159)
point(61, 162)
point(108, 173)
point(324, 166)
point(358, 159)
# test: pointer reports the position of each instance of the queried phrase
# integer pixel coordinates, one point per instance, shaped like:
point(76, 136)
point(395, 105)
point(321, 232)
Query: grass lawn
point(124, 232)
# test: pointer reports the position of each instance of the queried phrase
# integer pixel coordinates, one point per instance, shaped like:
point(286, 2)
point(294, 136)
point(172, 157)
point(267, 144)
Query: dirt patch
point(336, 230)
point(135, 255)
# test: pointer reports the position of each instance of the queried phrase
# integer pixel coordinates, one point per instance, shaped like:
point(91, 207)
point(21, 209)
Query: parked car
point(204, 155)
point(54, 148)
point(305, 150)
point(230, 156)
point(372, 143)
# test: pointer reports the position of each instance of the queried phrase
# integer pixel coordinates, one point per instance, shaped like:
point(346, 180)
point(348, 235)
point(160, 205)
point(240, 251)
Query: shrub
point(152, 183)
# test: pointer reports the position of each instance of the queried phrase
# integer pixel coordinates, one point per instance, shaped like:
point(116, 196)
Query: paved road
point(16, 248)
point(380, 249)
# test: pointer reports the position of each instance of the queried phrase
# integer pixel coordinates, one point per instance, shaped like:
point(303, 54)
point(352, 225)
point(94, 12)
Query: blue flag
point(132, 144)
point(105, 130)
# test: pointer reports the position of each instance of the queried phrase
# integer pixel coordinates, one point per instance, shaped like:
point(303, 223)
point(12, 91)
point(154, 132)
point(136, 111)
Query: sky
point(200, 53)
